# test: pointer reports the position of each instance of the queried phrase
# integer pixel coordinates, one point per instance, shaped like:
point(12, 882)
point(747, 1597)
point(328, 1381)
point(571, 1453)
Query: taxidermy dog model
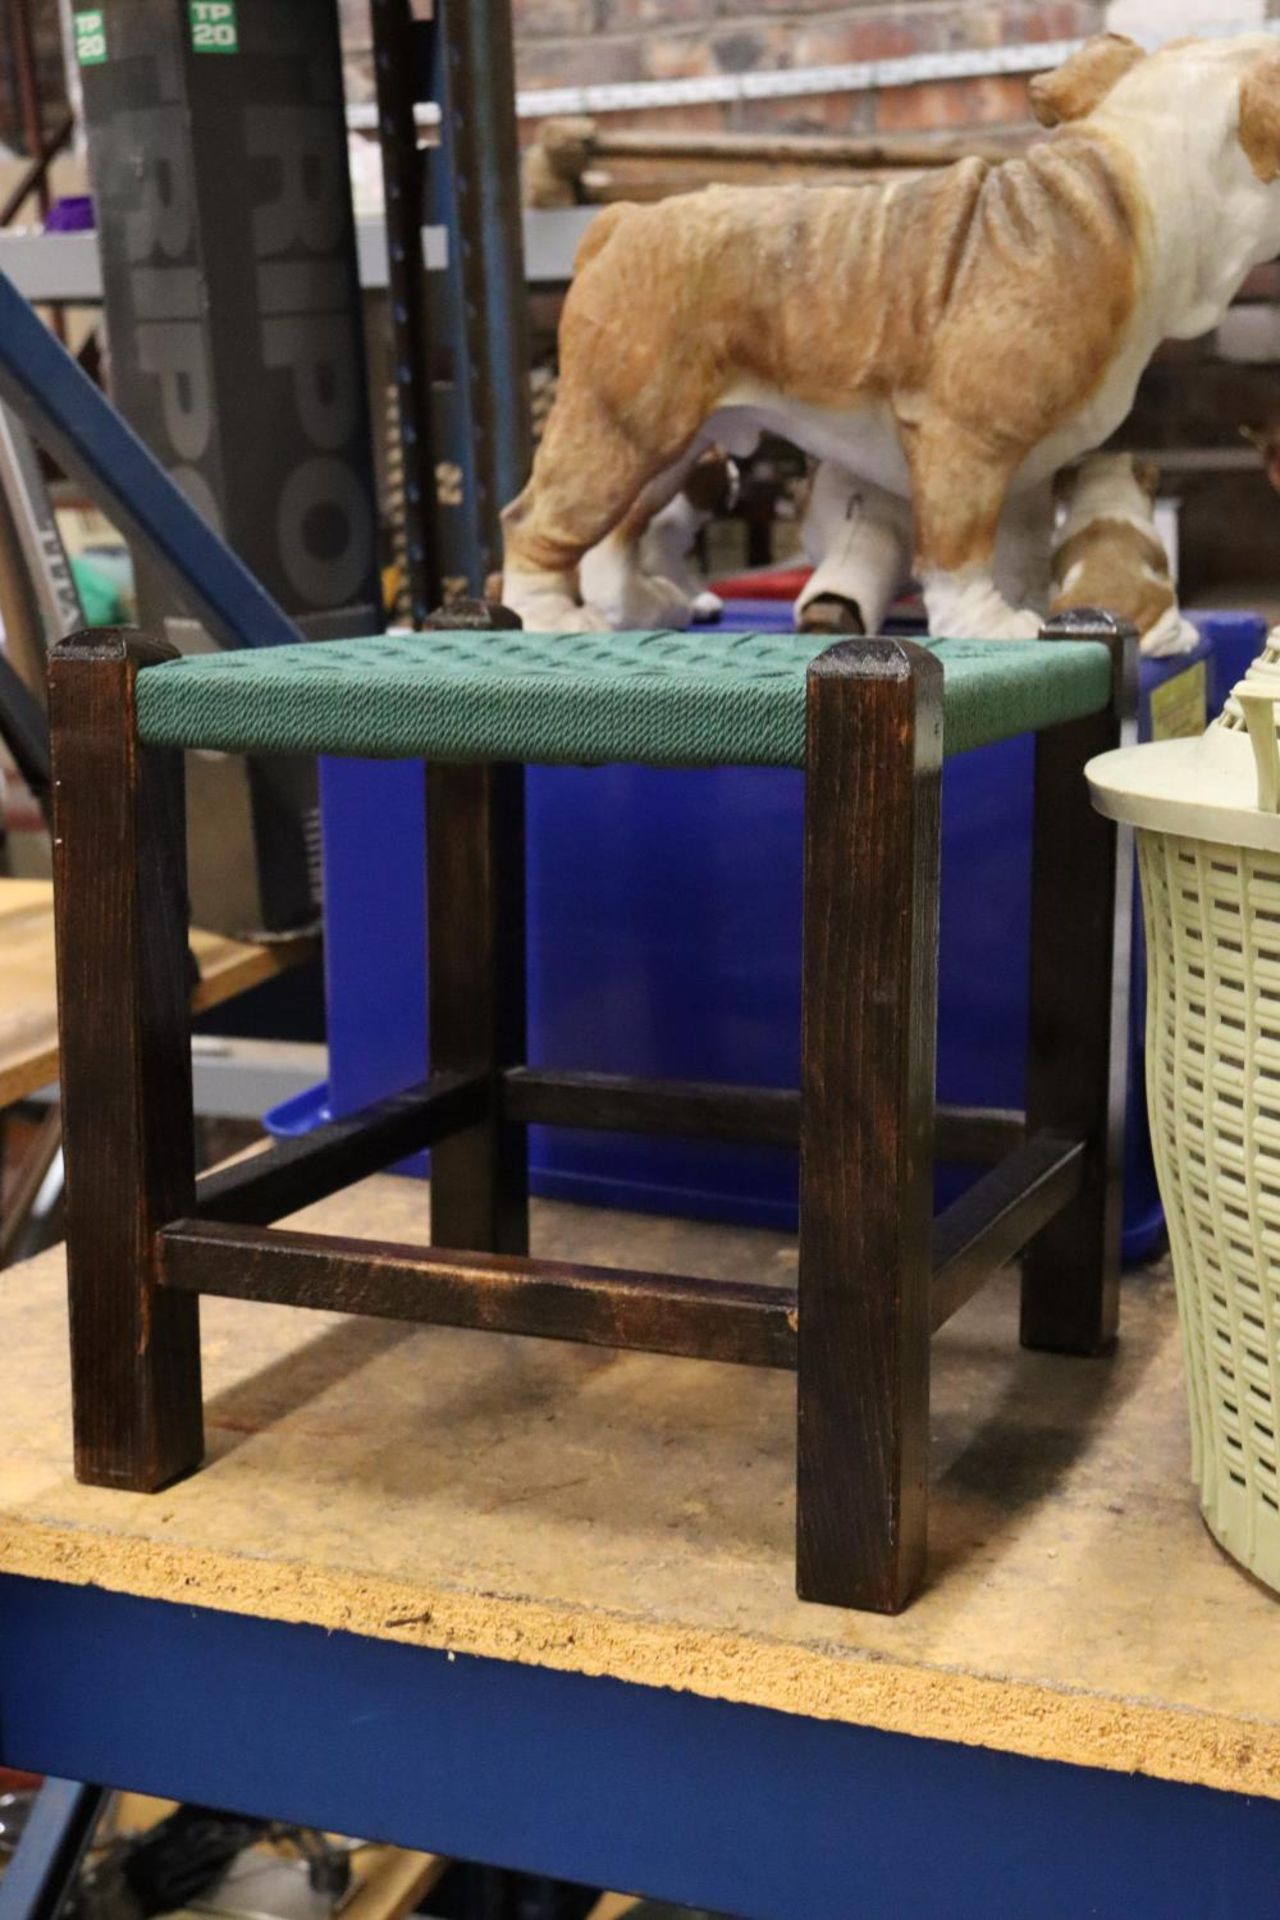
point(954, 339)
point(1107, 552)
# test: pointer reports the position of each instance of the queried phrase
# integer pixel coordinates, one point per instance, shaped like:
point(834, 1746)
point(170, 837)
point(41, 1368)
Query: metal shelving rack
point(470, 333)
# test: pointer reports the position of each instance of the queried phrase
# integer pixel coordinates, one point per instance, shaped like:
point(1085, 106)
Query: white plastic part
point(1224, 786)
point(1209, 859)
point(1259, 709)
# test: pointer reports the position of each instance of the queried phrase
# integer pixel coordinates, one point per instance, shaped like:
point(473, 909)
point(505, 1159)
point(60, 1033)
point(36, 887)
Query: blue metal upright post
point(40, 1875)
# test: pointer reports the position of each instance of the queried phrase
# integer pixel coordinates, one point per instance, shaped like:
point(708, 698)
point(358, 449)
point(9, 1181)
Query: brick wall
point(578, 42)
point(583, 42)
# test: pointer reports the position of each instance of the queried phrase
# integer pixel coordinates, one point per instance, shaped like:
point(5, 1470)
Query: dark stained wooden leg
point(120, 896)
point(1081, 914)
point(869, 1038)
point(476, 1014)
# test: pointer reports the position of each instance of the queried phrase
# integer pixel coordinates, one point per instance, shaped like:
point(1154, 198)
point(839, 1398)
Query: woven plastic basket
point(1207, 815)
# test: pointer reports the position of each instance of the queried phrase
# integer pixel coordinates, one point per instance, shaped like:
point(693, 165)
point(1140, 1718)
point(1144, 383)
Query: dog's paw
point(557, 613)
point(1172, 634)
point(1012, 623)
point(969, 606)
point(587, 619)
point(547, 603)
point(650, 600)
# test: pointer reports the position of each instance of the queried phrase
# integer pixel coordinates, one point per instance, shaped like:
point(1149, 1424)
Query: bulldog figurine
point(954, 339)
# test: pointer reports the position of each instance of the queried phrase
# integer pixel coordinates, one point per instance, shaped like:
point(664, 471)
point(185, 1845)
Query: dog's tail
point(600, 232)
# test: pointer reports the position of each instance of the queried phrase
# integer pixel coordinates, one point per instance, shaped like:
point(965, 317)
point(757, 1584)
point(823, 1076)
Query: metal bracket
point(60, 406)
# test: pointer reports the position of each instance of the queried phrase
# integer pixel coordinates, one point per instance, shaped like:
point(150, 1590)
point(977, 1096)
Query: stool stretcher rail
point(297, 1173)
point(984, 1229)
point(500, 1293)
point(714, 1110)
point(705, 1319)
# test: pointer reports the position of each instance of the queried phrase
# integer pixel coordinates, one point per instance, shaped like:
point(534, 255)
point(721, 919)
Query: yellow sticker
point(1180, 707)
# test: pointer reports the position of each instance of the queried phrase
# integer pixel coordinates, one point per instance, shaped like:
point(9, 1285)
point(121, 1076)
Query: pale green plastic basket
point(1207, 815)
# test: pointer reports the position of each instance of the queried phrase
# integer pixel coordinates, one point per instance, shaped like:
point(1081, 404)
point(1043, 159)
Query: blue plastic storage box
point(664, 939)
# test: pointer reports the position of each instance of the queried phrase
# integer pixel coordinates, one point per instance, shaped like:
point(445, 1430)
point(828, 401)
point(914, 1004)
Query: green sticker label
point(91, 37)
point(213, 26)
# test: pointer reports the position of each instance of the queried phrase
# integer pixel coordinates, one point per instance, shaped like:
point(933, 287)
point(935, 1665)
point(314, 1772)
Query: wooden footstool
point(867, 720)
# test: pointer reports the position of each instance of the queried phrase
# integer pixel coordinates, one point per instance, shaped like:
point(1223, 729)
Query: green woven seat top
point(662, 699)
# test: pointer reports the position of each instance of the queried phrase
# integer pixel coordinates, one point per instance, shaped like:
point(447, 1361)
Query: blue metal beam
point(756, 1813)
point(65, 412)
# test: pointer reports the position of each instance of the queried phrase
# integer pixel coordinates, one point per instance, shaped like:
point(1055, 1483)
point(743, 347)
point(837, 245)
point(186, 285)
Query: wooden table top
point(28, 999)
point(632, 1516)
